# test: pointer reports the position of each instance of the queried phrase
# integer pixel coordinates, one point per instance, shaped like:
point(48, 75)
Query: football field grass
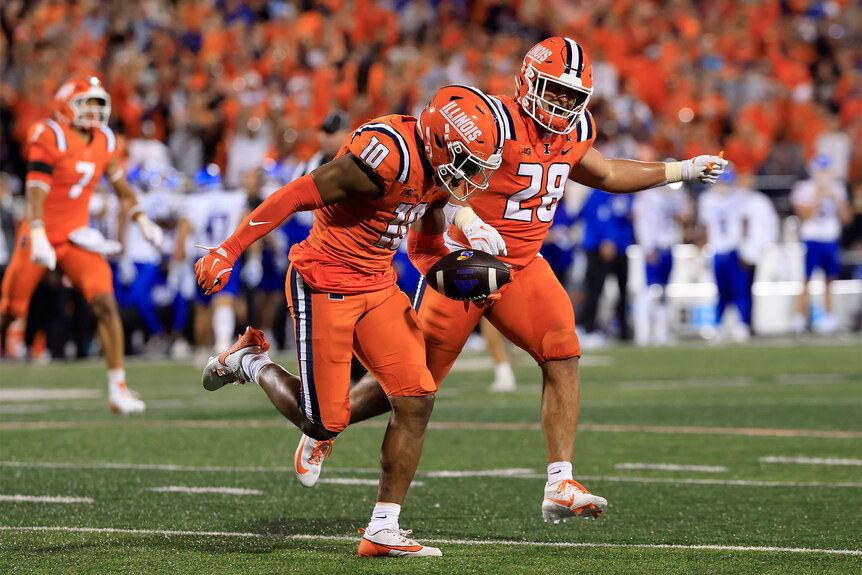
point(713, 460)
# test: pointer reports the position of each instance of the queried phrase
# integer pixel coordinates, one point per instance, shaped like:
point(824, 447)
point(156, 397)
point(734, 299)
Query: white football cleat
point(308, 459)
point(504, 379)
point(568, 498)
point(121, 400)
point(226, 367)
point(393, 543)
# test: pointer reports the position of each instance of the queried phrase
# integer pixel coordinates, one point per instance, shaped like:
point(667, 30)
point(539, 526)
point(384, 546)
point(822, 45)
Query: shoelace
point(561, 488)
point(404, 533)
point(320, 451)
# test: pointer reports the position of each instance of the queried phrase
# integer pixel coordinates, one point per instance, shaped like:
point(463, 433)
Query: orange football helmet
point(83, 102)
point(462, 131)
point(555, 84)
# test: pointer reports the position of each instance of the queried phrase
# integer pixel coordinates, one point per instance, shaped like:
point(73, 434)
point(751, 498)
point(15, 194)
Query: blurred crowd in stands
point(255, 93)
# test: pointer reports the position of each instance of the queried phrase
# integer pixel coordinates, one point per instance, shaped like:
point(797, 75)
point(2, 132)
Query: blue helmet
point(208, 178)
point(728, 176)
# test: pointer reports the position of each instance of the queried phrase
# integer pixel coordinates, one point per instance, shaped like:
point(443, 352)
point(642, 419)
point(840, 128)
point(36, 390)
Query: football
point(467, 275)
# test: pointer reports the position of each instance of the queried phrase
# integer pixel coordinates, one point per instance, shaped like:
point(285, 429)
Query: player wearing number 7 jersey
point(390, 174)
point(548, 140)
point(67, 156)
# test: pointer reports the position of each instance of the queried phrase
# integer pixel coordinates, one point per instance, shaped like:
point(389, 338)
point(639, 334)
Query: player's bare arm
point(117, 177)
point(620, 176)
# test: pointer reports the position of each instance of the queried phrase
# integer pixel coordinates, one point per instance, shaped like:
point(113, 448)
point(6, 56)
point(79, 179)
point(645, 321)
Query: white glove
point(252, 271)
point(480, 235)
point(41, 251)
point(704, 169)
point(127, 271)
point(151, 231)
point(92, 240)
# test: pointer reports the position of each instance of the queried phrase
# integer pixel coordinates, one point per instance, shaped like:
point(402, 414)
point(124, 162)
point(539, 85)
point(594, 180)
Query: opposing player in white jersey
point(208, 217)
point(719, 211)
point(760, 229)
point(821, 203)
point(659, 216)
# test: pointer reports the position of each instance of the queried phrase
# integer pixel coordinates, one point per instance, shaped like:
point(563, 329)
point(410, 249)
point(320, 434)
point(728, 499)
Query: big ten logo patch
point(462, 123)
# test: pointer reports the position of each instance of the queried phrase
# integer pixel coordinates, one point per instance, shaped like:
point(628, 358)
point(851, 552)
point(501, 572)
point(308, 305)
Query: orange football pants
point(89, 272)
point(380, 327)
point(534, 312)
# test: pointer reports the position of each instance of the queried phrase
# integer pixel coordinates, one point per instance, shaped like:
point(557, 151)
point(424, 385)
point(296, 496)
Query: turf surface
point(719, 414)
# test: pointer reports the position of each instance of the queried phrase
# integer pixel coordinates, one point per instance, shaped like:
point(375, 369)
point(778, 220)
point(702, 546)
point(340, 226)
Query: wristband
point(463, 217)
point(673, 172)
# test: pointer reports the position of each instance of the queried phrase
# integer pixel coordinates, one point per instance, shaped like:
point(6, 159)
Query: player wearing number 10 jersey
point(67, 156)
point(548, 135)
point(389, 174)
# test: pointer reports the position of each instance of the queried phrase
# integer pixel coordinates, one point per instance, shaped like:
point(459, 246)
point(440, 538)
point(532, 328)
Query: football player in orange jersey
point(548, 140)
point(67, 156)
point(390, 174)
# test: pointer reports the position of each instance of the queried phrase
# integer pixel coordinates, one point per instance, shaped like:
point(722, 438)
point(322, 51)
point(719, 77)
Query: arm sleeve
point(41, 155)
point(425, 249)
point(297, 196)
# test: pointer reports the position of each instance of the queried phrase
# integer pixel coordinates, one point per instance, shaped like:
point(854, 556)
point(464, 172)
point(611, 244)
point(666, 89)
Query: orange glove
point(213, 270)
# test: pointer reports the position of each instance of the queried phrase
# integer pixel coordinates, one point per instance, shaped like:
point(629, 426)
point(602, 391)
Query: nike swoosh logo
point(380, 516)
point(566, 151)
point(254, 223)
point(298, 460)
point(217, 260)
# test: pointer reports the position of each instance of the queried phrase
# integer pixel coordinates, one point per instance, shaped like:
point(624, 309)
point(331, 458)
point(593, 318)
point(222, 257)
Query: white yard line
point(673, 467)
point(223, 490)
point(515, 473)
point(449, 425)
point(503, 542)
point(45, 394)
point(810, 460)
point(690, 383)
point(45, 499)
point(812, 378)
point(357, 481)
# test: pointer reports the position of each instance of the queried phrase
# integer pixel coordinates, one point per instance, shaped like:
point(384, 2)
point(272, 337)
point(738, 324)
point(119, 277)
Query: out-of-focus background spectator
point(251, 85)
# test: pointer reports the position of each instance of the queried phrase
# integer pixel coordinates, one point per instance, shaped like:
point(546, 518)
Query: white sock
point(385, 515)
point(116, 377)
point(559, 471)
point(224, 326)
point(252, 363)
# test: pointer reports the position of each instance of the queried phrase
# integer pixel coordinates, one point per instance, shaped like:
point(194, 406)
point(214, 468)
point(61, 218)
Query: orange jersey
point(351, 244)
point(524, 192)
point(69, 169)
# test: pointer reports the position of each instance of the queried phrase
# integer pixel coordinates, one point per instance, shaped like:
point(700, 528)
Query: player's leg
point(389, 342)
point(547, 333)
point(446, 325)
point(800, 320)
point(594, 281)
point(620, 265)
point(504, 377)
point(724, 286)
point(831, 269)
point(19, 282)
point(91, 274)
point(139, 295)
